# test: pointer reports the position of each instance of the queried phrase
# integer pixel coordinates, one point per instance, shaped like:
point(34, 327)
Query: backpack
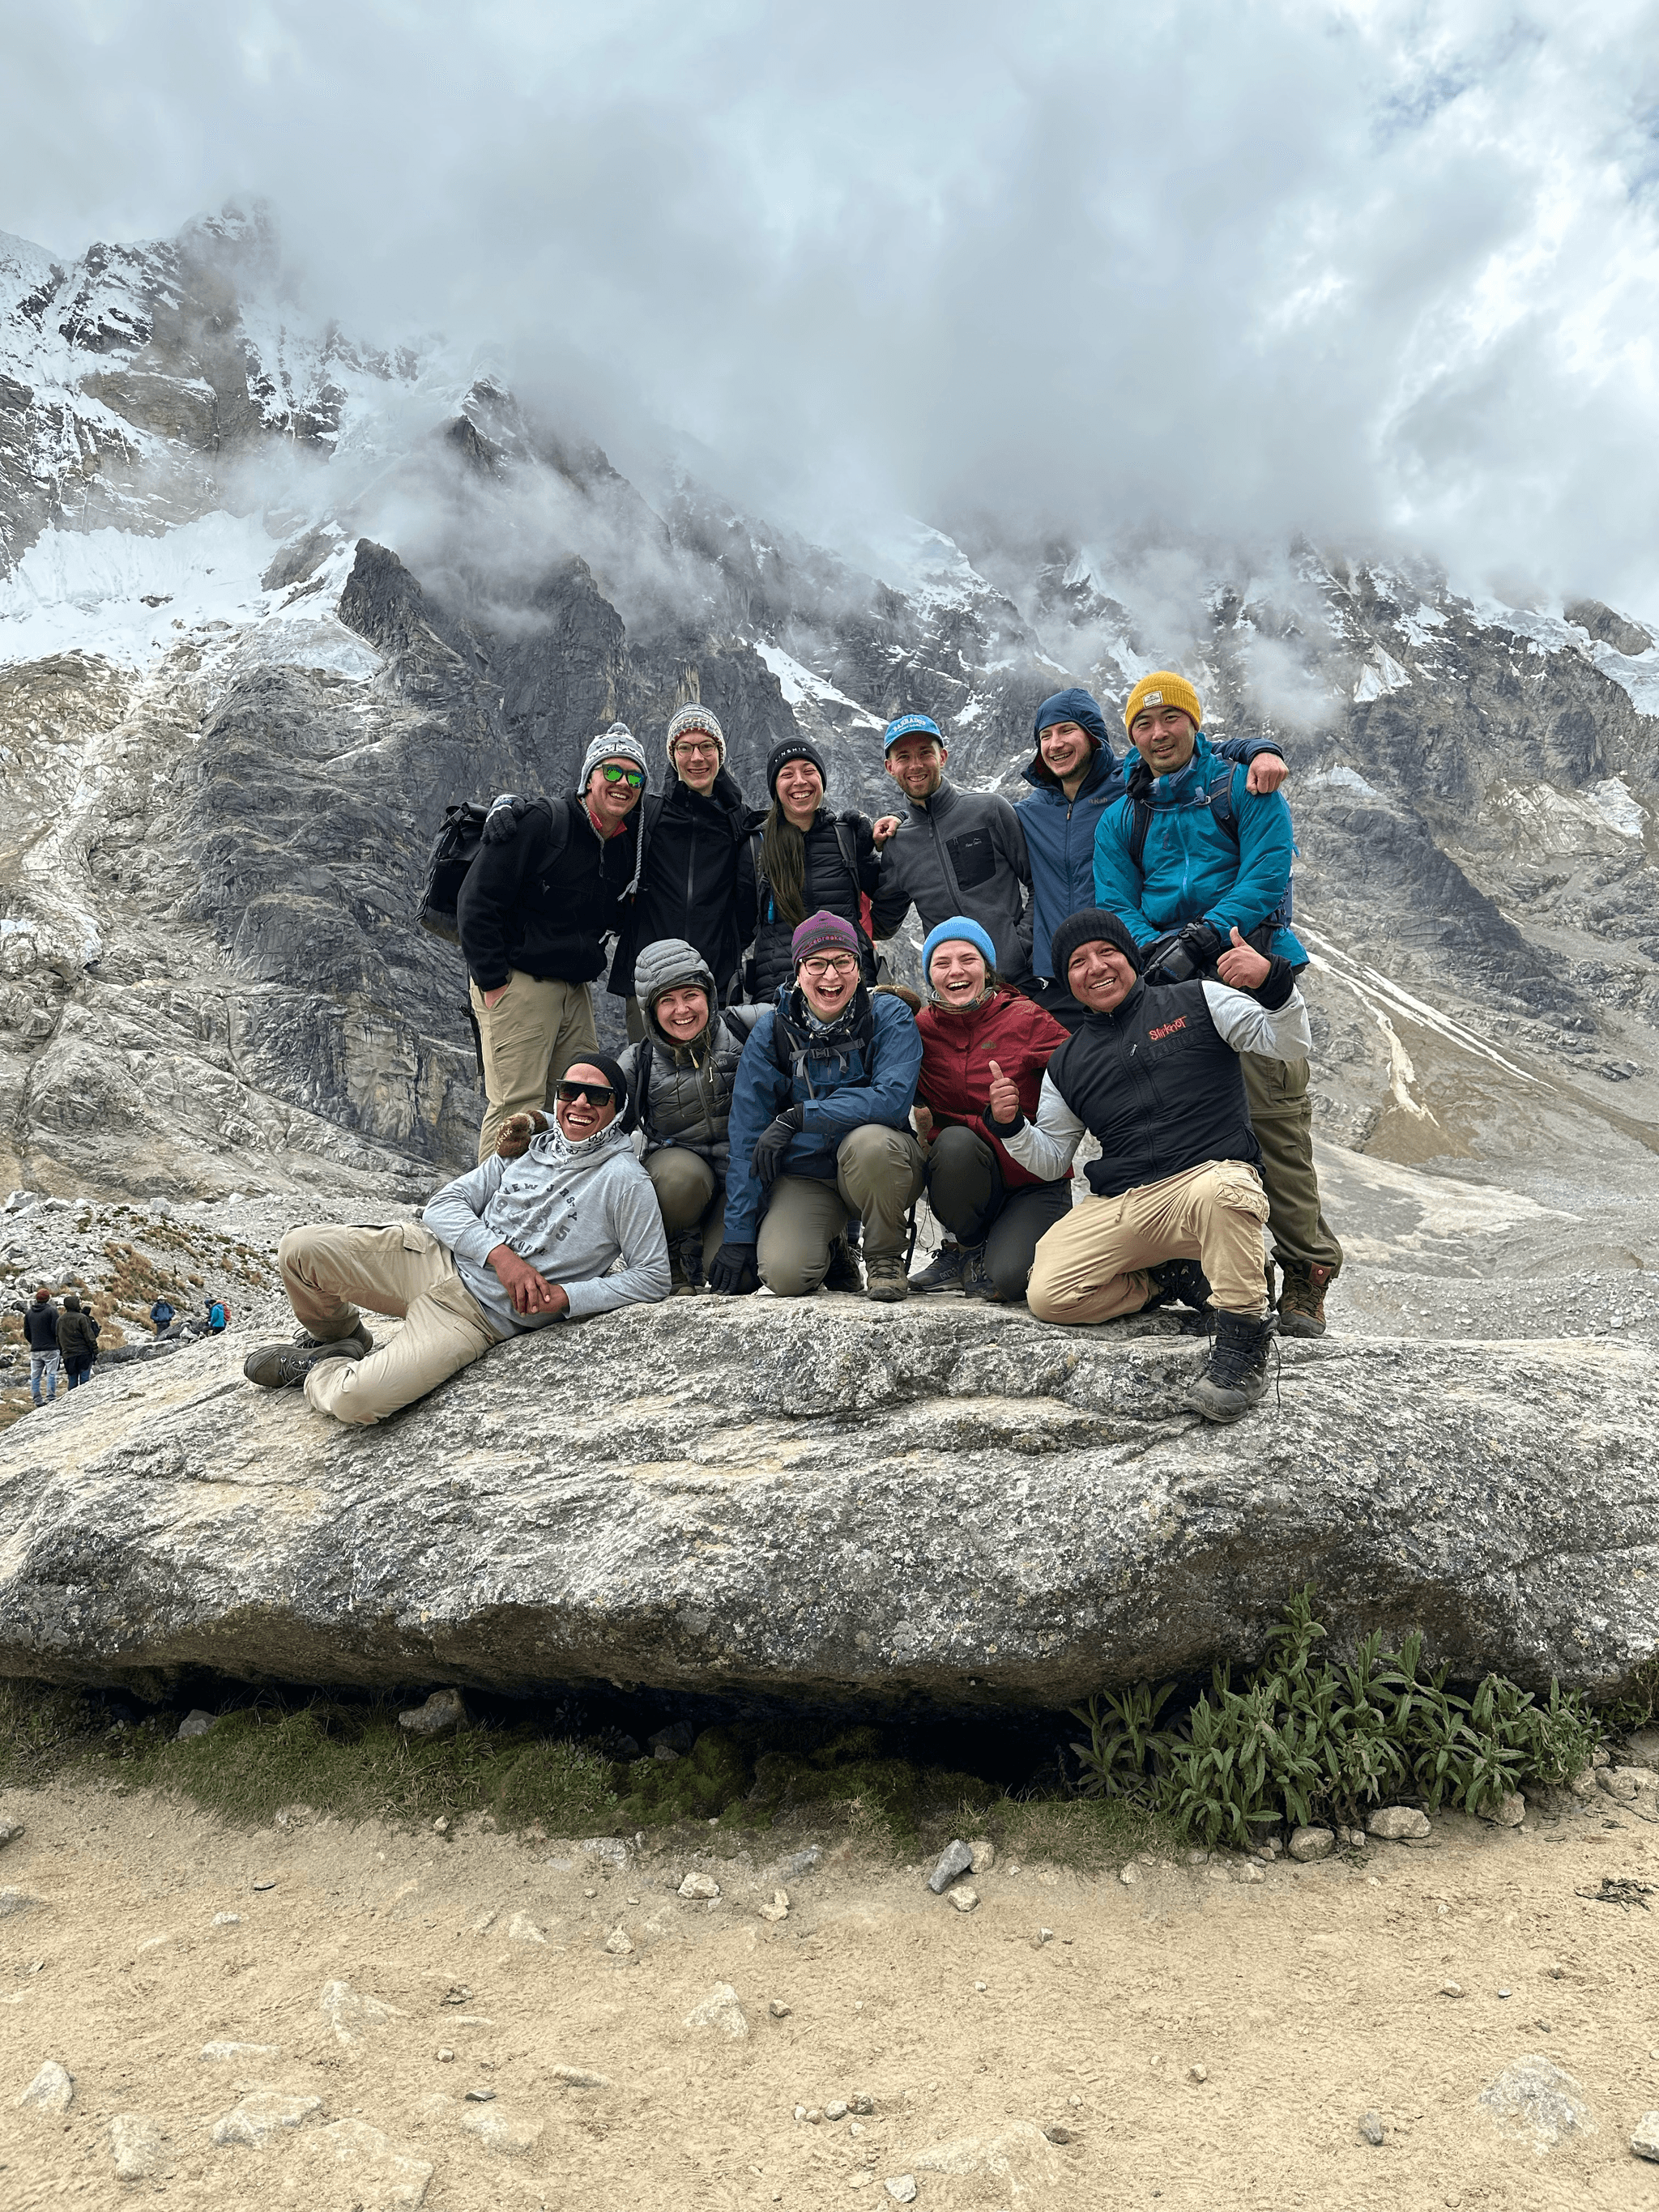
point(1218, 797)
point(215, 1315)
point(454, 849)
point(849, 860)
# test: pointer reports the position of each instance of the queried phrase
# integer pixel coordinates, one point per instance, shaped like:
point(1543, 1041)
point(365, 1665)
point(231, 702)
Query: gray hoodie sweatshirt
point(572, 1211)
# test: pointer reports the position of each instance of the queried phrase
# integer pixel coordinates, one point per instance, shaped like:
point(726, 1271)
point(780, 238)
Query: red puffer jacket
point(956, 1052)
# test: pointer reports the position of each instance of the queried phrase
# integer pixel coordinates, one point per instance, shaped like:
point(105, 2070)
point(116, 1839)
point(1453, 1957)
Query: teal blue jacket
point(1190, 868)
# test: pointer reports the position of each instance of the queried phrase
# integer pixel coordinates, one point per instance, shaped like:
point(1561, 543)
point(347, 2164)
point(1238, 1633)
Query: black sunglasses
point(597, 1094)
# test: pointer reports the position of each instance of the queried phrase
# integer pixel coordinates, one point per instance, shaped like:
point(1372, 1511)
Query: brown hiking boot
point(886, 1280)
point(1301, 1302)
point(685, 1269)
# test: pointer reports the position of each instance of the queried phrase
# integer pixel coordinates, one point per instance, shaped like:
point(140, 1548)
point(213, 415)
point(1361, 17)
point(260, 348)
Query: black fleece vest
point(1159, 1085)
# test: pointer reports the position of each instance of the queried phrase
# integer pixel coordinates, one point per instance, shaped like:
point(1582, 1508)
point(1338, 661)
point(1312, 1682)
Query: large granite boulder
point(833, 1500)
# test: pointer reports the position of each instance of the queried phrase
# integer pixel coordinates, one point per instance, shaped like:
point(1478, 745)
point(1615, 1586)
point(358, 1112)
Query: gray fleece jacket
point(572, 1211)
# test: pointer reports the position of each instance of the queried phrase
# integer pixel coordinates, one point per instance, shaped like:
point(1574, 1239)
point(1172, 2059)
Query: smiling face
point(1065, 748)
point(1164, 738)
point(610, 804)
point(1099, 976)
point(957, 973)
point(683, 1013)
point(916, 765)
point(800, 791)
point(697, 759)
point(581, 1117)
point(829, 981)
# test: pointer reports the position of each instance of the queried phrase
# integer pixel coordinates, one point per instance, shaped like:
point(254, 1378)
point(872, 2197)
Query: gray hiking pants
point(969, 1198)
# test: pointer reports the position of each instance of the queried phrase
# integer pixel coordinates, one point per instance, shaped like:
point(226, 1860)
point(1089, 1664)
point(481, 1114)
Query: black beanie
point(613, 1075)
point(793, 749)
point(1094, 924)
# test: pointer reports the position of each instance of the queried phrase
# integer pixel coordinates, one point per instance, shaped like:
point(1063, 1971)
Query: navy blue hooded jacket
point(1059, 832)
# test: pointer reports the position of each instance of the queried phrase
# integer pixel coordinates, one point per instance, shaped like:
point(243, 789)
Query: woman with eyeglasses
point(808, 859)
point(553, 878)
point(697, 885)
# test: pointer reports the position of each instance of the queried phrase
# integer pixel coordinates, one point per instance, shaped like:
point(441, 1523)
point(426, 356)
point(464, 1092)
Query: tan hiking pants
point(329, 1272)
point(878, 1176)
point(1092, 1266)
point(1282, 1117)
point(530, 1036)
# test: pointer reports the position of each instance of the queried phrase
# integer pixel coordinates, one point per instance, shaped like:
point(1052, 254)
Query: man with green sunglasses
point(553, 879)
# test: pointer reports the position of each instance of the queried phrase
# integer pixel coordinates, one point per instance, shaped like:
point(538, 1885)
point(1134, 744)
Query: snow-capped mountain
point(269, 599)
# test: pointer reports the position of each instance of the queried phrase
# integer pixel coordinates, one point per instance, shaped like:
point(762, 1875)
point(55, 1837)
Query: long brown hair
point(783, 863)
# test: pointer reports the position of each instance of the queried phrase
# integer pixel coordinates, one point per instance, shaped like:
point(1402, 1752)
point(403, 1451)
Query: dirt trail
point(1309, 1997)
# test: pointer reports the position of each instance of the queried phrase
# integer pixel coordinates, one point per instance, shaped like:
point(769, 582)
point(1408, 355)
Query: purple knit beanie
point(822, 932)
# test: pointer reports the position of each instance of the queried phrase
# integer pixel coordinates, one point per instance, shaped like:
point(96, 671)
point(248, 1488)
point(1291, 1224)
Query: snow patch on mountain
point(799, 685)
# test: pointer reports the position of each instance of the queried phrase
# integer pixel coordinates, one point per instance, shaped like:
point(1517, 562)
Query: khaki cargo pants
point(328, 1272)
point(529, 1037)
point(878, 1176)
point(1282, 1117)
point(1092, 1266)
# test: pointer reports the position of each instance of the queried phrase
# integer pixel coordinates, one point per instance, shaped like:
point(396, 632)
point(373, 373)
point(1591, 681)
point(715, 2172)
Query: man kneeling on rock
point(512, 1246)
point(1178, 1206)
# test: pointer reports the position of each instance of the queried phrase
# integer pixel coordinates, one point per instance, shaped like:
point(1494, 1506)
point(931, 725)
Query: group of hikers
point(1112, 957)
point(67, 1336)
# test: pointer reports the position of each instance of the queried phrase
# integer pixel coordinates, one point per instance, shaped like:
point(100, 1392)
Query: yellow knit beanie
point(1164, 688)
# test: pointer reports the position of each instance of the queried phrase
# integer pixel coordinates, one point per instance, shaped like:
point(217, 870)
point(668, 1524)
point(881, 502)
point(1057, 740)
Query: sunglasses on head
point(614, 772)
point(597, 1094)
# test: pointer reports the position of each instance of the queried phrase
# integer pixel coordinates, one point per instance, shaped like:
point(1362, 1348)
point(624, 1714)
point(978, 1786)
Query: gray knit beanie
point(695, 718)
point(618, 743)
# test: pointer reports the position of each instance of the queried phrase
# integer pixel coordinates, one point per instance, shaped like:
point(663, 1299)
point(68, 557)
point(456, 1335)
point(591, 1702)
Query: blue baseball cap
point(910, 725)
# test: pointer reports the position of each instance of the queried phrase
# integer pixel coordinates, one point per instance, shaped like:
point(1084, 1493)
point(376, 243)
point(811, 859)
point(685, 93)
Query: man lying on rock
point(512, 1246)
point(679, 1081)
point(1178, 1206)
point(820, 1129)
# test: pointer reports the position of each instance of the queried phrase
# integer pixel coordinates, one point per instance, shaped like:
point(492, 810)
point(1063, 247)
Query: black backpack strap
point(639, 1091)
point(1140, 825)
point(1220, 796)
point(849, 850)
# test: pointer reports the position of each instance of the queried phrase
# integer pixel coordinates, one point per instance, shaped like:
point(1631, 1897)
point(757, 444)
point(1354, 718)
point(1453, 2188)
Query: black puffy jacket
point(831, 886)
point(77, 1336)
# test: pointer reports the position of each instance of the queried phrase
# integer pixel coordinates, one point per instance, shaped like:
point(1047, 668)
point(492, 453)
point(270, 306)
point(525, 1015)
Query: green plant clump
point(1301, 1739)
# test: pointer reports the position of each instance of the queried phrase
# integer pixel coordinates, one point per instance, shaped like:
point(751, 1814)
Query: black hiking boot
point(842, 1272)
point(1236, 1373)
point(274, 1366)
point(684, 1268)
point(944, 1273)
point(1179, 1283)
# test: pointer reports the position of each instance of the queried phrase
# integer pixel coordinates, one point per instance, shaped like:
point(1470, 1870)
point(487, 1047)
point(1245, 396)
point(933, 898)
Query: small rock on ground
point(579, 2077)
point(9, 1831)
point(443, 1711)
point(1540, 2098)
point(618, 1945)
point(350, 2014)
point(777, 1908)
point(720, 2009)
point(1309, 1844)
point(1646, 2141)
point(1371, 2128)
point(381, 2175)
point(901, 2188)
point(699, 1888)
point(954, 1859)
point(137, 2146)
point(964, 1899)
point(505, 2133)
point(981, 1855)
point(260, 2115)
point(1509, 1812)
point(521, 1928)
point(52, 2089)
point(195, 1722)
point(777, 2009)
point(1398, 1824)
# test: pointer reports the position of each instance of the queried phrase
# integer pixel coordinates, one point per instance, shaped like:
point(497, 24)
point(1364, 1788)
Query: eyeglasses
point(613, 772)
point(834, 963)
point(597, 1094)
point(687, 745)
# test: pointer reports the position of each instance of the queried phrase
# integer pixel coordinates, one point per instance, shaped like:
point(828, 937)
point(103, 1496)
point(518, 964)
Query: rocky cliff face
point(269, 600)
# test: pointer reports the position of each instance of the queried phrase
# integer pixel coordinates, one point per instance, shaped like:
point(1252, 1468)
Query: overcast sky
point(1381, 272)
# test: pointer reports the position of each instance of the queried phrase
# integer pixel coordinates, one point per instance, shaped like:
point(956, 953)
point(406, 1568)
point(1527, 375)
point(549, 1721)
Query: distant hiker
point(820, 1128)
point(1178, 1206)
point(1074, 777)
point(218, 1315)
point(679, 1080)
point(807, 860)
point(1187, 856)
point(40, 1334)
point(958, 851)
point(552, 880)
point(975, 1031)
point(510, 1246)
point(697, 879)
point(77, 1341)
point(160, 1317)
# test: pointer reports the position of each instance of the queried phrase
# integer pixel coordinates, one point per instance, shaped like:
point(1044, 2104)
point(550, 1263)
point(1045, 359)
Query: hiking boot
point(359, 1336)
point(685, 1269)
point(1236, 1373)
point(977, 1277)
point(1178, 1282)
point(888, 1283)
point(842, 1272)
point(945, 1274)
point(1301, 1302)
point(274, 1366)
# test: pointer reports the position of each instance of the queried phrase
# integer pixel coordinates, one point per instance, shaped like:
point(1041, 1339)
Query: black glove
point(774, 1142)
point(1277, 984)
point(501, 822)
point(732, 1272)
point(1168, 961)
point(1204, 945)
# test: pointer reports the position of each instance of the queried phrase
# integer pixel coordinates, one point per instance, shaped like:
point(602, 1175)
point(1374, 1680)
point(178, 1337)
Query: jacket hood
point(1176, 790)
point(664, 966)
point(1075, 706)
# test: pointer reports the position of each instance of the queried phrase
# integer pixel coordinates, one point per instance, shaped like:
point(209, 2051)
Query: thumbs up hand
point(1005, 1098)
point(1241, 966)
